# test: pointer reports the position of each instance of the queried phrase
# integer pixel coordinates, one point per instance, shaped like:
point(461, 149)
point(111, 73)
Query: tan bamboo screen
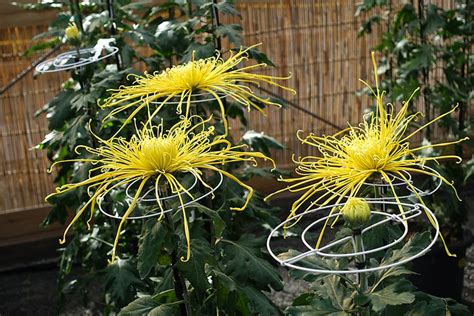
point(23, 180)
point(315, 41)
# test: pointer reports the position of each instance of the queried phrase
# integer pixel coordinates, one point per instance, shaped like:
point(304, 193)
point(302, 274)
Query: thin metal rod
point(292, 104)
point(113, 31)
point(27, 70)
point(218, 43)
point(216, 22)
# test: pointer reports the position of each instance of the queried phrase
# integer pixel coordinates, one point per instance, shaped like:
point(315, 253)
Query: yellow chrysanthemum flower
point(214, 75)
point(379, 146)
point(72, 32)
point(155, 157)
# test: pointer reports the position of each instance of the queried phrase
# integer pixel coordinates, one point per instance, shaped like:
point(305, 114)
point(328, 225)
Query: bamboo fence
point(23, 180)
point(315, 41)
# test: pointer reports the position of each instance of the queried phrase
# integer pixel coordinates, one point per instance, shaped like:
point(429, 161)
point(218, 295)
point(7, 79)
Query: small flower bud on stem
point(356, 212)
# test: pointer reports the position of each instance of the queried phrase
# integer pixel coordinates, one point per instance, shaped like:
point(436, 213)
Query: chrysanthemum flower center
point(367, 153)
point(159, 154)
point(190, 76)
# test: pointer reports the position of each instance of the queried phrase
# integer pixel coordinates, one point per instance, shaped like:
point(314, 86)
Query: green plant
point(361, 268)
point(431, 47)
point(388, 291)
point(227, 270)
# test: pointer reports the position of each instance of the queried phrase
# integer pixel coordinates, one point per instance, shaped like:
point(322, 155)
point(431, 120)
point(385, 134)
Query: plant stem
point(179, 283)
point(207, 202)
point(425, 70)
point(464, 75)
point(113, 30)
point(77, 15)
point(215, 24)
point(360, 264)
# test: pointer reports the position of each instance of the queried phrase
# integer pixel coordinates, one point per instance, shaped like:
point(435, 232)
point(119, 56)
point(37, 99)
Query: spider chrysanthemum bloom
point(379, 146)
point(155, 157)
point(214, 75)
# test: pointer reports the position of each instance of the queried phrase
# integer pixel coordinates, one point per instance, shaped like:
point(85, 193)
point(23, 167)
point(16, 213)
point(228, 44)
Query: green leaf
point(361, 299)
point(242, 260)
point(319, 307)
point(194, 269)
point(236, 110)
point(149, 306)
point(150, 245)
point(259, 303)
point(434, 20)
point(227, 8)
point(260, 57)
point(394, 294)
point(422, 57)
point(140, 306)
point(200, 51)
point(367, 25)
point(329, 299)
point(311, 262)
point(426, 304)
point(261, 142)
point(231, 31)
point(406, 17)
point(164, 310)
point(217, 221)
point(59, 110)
point(41, 46)
point(121, 278)
point(414, 245)
point(229, 298)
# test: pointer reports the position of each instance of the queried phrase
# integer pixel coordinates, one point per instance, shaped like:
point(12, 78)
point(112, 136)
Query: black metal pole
point(113, 31)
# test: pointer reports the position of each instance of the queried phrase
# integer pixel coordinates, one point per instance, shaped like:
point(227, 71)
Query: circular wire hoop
point(156, 211)
point(71, 59)
point(196, 98)
point(399, 183)
point(294, 261)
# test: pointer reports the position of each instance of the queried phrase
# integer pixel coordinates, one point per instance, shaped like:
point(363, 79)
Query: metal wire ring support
point(194, 101)
point(414, 212)
point(415, 209)
point(144, 198)
point(401, 183)
point(155, 214)
point(58, 65)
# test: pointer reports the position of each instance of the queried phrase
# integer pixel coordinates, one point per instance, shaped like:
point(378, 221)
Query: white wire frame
point(413, 212)
point(197, 98)
point(60, 62)
point(419, 192)
point(158, 212)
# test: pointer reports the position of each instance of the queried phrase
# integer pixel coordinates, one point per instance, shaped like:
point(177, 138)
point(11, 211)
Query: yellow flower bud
point(72, 32)
point(356, 211)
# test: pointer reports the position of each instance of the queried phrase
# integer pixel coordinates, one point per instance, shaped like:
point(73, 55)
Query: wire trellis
point(78, 58)
point(150, 197)
point(296, 260)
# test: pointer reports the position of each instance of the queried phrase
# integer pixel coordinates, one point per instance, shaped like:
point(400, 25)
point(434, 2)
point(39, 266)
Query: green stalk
point(362, 280)
point(179, 282)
